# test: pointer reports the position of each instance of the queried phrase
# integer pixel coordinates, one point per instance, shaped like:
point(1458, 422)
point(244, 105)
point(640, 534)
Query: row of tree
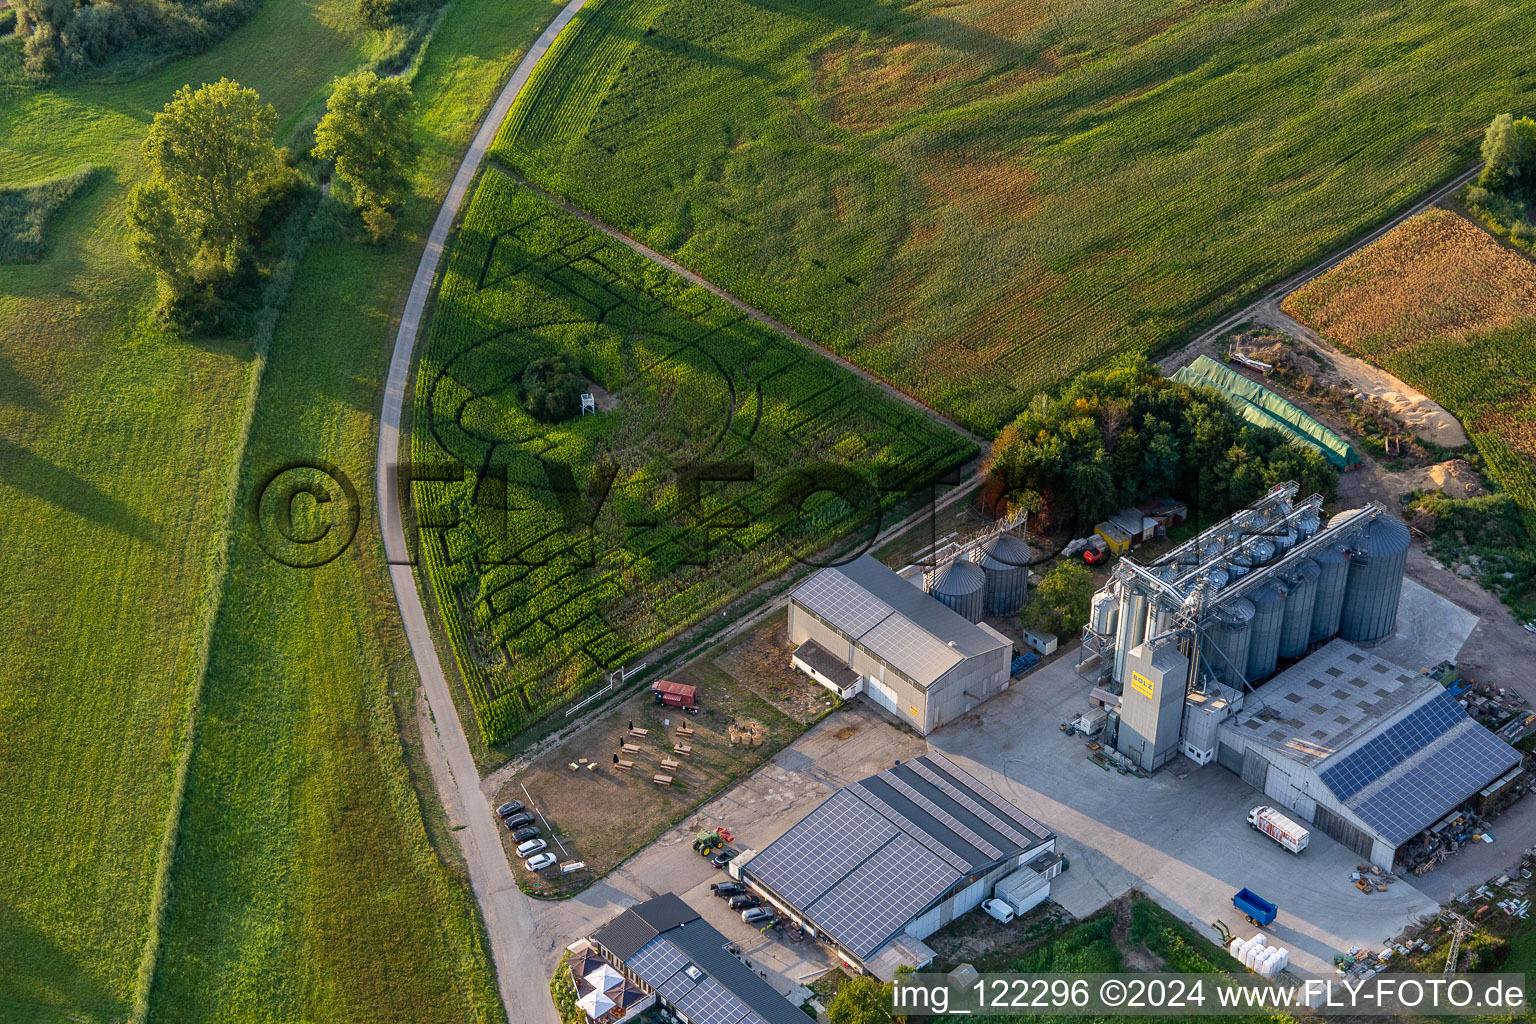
point(1509, 158)
point(74, 35)
point(215, 168)
point(1121, 436)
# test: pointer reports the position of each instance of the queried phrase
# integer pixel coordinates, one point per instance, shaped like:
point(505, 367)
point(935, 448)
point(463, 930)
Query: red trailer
point(677, 695)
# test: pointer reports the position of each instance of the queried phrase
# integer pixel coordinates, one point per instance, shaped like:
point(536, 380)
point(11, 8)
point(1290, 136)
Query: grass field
point(973, 199)
point(304, 887)
point(578, 546)
point(1453, 312)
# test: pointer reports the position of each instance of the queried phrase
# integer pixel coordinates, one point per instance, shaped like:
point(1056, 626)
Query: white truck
point(1279, 828)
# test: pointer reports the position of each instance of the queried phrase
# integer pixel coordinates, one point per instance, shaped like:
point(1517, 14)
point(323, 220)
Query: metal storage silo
point(1104, 613)
point(1333, 573)
point(961, 585)
point(1216, 577)
point(1308, 524)
point(1005, 560)
point(1284, 540)
point(1296, 623)
point(1260, 551)
point(1376, 564)
point(1133, 625)
point(1264, 642)
point(1225, 647)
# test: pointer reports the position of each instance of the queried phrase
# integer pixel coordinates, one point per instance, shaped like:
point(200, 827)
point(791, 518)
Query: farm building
point(861, 628)
point(664, 949)
point(1369, 753)
point(884, 863)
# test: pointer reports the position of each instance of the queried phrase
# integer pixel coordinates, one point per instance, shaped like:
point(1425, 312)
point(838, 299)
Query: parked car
point(531, 847)
point(540, 861)
point(517, 821)
point(508, 809)
point(524, 834)
point(755, 915)
point(727, 889)
point(744, 901)
point(998, 910)
point(723, 858)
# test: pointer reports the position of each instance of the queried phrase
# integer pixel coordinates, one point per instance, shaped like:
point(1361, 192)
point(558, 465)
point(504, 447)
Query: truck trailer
point(1279, 828)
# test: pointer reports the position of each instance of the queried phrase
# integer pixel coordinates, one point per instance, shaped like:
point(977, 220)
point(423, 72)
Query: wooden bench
point(669, 764)
point(682, 750)
point(662, 780)
point(630, 748)
point(625, 766)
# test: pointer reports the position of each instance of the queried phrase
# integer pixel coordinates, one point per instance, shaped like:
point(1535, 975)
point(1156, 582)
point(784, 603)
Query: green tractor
point(706, 843)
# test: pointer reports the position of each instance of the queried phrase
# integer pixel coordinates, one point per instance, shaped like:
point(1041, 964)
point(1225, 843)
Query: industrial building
point(666, 950)
point(1369, 753)
point(884, 863)
point(919, 652)
point(1190, 645)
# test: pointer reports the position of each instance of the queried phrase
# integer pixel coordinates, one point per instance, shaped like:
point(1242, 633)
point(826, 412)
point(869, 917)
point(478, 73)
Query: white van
point(998, 910)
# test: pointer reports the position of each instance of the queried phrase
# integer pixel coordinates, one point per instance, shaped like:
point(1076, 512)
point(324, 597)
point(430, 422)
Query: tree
point(367, 133)
point(1060, 604)
point(552, 387)
point(861, 1000)
point(1509, 155)
point(212, 151)
point(159, 242)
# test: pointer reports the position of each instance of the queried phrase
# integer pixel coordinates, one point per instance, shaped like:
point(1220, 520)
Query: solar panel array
point(916, 652)
point(995, 799)
point(657, 961)
point(942, 816)
point(1350, 774)
point(934, 845)
point(973, 805)
point(886, 892)
point(838, 599)
point(1436, 781)
point(712, 1003)
point(830, 842)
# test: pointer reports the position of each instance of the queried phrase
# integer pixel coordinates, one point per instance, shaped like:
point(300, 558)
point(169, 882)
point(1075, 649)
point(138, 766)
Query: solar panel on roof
point(842, 602)
point(905, 822)
point(1435, 782)
point(712, 1003)
point(1350, 774)
point(830, 842)
point(942, 816)
point(971, 804)
point(904, 644)
point(984, 791)
point(657, 961)
point(888, 890)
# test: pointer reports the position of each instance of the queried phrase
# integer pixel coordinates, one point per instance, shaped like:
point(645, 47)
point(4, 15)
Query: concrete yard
point(1430, 629)
point(1183, 841)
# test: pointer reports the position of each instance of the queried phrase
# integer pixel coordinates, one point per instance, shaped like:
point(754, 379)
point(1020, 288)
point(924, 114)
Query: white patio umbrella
point(604, 978)
point(595, 1003)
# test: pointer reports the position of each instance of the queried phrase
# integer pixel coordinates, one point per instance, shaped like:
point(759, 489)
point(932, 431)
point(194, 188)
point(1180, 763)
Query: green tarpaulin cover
point(1263, 408)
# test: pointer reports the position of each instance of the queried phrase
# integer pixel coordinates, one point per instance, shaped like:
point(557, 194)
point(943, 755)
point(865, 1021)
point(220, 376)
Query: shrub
point(25, 212)
point(552, 388)
point(380, 224)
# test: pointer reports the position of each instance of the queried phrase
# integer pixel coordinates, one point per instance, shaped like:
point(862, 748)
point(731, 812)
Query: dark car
point(727, 889)
point(524, 834)
point(508, 809)
point(744, 901)
point(517, 821)
point(723, 858)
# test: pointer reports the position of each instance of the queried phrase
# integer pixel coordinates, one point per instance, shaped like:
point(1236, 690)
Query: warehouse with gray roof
point(1371, 754)
point(885, 862)
point(861, 628)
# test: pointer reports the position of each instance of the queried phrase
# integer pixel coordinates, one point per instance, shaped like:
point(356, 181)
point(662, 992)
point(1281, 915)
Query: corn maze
point(719, 453)
point(973, 199)
point(1449, 310)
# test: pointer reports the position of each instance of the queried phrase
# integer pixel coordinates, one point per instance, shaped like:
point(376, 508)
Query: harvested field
point(1452, 312)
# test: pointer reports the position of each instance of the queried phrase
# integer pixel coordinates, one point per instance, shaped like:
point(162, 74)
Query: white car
point(531, 847)
point(998, 910)
point(540, 861)
point(752, 915)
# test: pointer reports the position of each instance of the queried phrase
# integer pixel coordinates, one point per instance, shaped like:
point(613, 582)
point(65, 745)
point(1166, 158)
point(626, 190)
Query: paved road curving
point(508, 918)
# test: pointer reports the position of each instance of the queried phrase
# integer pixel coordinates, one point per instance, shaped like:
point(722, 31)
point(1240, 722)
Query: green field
point(560, 568)
point(973, 199)
point(304, 887)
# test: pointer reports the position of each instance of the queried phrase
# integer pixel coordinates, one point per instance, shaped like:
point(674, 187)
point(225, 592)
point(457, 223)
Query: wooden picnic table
point(669, 764)
point(642, 733)
point(624, 766)
point(682, 749)
point(683, 730)
point(630, 748)
point(662, 780)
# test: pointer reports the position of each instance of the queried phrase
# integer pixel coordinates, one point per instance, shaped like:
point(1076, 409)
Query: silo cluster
point(1005, 560)
point(960, 584)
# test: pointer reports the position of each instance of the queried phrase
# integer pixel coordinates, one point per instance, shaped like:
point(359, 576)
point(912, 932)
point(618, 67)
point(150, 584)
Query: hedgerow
point(561, 551)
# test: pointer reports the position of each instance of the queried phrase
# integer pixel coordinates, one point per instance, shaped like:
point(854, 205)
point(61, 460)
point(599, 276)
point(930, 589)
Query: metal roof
point(720, 989)
point(827, 663)
point(878, 853)
point(902, 625)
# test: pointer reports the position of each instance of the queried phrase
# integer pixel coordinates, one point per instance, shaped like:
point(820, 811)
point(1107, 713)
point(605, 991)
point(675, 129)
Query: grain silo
point(1264, 642)
point(960, 584)
point(1224, 650)
point(1005, 560)
point(1333, 574)
point(1377, 561)
point(1296, 623)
